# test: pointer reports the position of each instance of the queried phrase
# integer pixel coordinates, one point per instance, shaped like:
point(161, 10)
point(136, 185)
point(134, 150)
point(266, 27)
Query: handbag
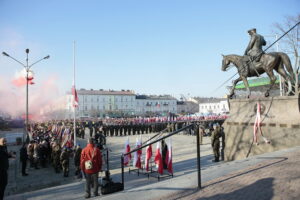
point(89, 164)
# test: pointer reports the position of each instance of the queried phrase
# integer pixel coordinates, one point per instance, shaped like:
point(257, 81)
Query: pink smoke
point(41, 95)
point(20, 78)
point(21, 81)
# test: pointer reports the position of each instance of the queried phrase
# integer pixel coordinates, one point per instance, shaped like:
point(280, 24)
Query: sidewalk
point(273, 175)
point(277, 177)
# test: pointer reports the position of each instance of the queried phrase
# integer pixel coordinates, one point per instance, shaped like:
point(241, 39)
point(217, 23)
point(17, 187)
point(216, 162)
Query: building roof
point(104, 92)
point(155, 97)
point(208, 99)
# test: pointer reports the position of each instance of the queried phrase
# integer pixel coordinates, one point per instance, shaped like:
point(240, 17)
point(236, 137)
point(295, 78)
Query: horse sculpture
point(277, 61)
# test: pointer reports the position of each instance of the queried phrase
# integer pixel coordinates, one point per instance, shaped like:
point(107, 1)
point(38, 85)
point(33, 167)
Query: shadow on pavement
point(261, 189)
point(249, 171)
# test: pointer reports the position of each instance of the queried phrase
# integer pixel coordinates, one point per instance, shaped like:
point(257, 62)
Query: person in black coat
point(164, 152)
point(77, 160)
point(4, 164)
point(23, 159)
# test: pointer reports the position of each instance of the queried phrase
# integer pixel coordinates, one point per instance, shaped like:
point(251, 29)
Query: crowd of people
point(51, 144)
point(133, 126)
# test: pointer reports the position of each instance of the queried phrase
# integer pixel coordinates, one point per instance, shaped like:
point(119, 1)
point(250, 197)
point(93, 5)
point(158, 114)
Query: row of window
point(104, 99)
point(110, 107)
point(212, 107)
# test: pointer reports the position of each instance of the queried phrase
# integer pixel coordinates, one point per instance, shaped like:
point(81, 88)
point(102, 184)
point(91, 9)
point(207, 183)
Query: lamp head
point(5, 54)
point(47, 57)
point(27, 50)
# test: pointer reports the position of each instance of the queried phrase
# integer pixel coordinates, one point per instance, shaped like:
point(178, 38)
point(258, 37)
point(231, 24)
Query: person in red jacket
point(92, 153)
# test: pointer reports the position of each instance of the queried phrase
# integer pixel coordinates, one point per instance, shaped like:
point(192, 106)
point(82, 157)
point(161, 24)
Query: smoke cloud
point(20, 78)
point(41, 95)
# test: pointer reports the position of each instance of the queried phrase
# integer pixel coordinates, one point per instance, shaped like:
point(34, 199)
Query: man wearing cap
point(254, 48)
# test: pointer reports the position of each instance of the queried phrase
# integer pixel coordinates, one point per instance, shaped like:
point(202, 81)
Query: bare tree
point(290, 43)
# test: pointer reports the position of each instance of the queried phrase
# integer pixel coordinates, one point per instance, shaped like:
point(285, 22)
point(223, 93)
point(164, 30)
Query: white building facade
point(101, 103)
point(155, 105)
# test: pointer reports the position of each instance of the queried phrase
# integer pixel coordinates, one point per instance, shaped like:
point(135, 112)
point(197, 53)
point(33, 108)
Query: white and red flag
point(65, 137)
point(168, 159)
point(257, 125)
point(127, 158)
point(158, 158)
point(137, 159)
point(148, 156)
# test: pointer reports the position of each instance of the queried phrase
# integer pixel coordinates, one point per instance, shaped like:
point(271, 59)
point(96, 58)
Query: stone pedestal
point(280, 124)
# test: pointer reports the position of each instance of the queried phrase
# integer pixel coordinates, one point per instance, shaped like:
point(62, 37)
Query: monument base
point(280, 124)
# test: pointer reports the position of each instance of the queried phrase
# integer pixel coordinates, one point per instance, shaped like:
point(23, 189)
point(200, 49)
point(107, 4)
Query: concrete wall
point(280, 124)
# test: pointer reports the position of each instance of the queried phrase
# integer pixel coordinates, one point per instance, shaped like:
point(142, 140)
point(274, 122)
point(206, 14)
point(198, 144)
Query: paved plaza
point(269, 176)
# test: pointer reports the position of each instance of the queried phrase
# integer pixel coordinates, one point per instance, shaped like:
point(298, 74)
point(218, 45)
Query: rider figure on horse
point(254, 50)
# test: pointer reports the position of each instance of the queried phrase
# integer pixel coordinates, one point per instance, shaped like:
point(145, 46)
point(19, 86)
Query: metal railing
point(194, 126)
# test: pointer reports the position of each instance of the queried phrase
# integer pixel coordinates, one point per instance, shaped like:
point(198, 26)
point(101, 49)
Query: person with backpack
point(91, 165)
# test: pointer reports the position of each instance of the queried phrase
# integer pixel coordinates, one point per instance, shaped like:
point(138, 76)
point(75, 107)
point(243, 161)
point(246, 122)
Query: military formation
point(127, 127)
point(52, 143)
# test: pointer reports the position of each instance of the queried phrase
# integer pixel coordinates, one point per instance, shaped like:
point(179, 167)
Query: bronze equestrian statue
point(255, 62)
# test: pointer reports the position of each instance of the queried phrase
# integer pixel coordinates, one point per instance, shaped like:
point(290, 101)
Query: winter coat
point(86, 155)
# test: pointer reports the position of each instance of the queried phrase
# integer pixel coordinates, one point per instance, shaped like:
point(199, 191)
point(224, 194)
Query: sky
point(152, 47)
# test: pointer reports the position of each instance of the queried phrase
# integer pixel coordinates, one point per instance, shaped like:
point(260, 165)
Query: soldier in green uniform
point(223, 143)
point(56, 151)
point(64, 161)
point(215, 142)
point(77, 160)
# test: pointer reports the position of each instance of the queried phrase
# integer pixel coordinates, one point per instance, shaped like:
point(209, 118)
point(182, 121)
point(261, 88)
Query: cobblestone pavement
point(278, 178)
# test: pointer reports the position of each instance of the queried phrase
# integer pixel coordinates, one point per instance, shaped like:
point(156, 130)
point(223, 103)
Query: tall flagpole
point(74, 124)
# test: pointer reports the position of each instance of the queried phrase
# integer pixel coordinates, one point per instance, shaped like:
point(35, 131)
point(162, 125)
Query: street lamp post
point(27, 69)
